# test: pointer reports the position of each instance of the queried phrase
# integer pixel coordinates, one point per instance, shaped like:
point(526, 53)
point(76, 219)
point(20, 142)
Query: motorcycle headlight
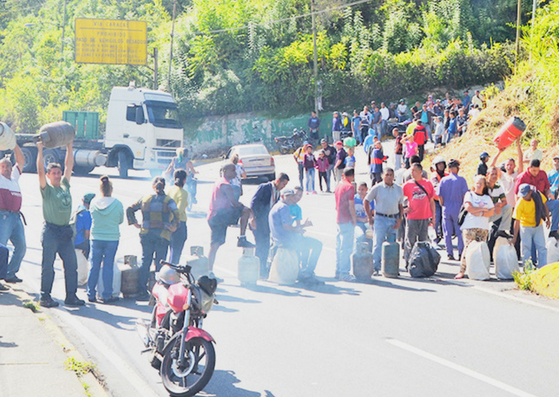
point(207, 302)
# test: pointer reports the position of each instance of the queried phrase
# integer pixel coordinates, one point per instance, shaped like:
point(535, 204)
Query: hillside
point(531, 93)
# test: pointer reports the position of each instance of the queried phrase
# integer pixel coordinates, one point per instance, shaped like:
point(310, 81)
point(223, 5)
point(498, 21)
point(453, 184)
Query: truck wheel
point(50, 156)
point(81, 170)
point(123, 164)
point(30, 155)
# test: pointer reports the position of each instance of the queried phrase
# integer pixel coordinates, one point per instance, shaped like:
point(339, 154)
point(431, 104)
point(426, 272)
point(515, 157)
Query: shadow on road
point(223, 384)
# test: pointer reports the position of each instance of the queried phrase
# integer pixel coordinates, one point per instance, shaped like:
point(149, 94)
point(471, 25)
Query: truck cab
point(143, 130)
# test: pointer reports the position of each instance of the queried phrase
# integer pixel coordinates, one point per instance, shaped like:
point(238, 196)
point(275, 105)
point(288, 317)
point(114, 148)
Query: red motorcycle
point(180, 348)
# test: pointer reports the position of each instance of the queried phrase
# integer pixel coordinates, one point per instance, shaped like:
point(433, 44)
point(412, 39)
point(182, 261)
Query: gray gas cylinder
point(390, 261)
point(56, 134)
point(363, 265)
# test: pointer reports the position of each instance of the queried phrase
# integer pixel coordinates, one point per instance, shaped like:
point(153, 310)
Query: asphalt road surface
point(391, 337)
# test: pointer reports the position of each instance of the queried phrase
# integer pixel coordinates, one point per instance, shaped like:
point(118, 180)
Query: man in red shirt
point(536, 177)
point(346, 220)
point(420, 211)
point(420, 137)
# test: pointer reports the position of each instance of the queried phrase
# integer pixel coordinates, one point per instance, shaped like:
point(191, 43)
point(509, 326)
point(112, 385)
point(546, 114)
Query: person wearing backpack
point(81, 223)
point(107, 214)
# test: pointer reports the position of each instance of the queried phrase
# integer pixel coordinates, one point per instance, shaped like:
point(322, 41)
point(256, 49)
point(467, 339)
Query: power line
point(284, 19)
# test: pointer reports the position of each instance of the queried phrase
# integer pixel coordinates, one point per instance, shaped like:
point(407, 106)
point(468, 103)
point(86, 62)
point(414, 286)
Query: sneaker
point(73, 300)
point(314, 192)
point(107, 301)
point(92, 299)
point(346, 277)
point(376, 273)
point(4, 287)
point(244, 243)
point(13, 279)
point(551, 234)
point(451, 258)
point(47, 301)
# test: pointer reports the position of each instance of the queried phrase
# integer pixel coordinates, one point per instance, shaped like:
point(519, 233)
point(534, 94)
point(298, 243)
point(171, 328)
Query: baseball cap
point(339, 143)
point(88, 197)
point(323, 140)
point(287, 192)
point(453, 163)
point(555, 157)
point(524, 189)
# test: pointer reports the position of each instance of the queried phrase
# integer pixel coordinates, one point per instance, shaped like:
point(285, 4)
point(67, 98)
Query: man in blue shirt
point(83, 225)
point(285, 235)
point(313, 124)
point(466, 101)
point(553, 177)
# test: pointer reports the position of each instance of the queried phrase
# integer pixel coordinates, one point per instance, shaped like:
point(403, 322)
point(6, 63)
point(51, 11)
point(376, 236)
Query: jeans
point(310, 179)
point(323, 176)
point(58, 240)
point(361, 237)
point(505, 216)
point(384, 231)
point(553, 206)
point(177, 243)
point(344, 247)
point(450, 227)
point(378, 130)
point(438, 219)
point(309, 250)
point(152, 245)
point(416, 230)
point(301, 173)
point(428, 130)
point(538, 236)
point(421, 152)
point(11, 228)
point(397, 162)
point(101, 251)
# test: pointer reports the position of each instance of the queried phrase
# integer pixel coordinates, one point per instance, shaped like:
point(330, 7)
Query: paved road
point(392, 337)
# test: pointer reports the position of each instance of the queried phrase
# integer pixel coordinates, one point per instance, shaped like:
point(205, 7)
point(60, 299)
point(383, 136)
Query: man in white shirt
point(402, 110)
point(533, 153)
point(508, 178)
point(385, 115)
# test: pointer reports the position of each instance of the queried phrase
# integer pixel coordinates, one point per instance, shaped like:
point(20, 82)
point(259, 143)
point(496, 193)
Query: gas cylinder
point(130, 276)
point(56, 134)
point(509, 132)
point(200, 266)
point(390, 259)
point(117, 281)
point(285, 267)
point(7, 137)
point(249, 267)
point(362, 260)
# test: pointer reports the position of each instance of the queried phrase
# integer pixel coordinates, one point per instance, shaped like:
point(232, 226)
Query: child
point(411, 149)
point(376, 160)
point(309, 163)
point(350, 159)
point(322, 165)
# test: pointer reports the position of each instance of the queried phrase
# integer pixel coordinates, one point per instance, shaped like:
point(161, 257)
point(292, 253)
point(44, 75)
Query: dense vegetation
point(234, 56)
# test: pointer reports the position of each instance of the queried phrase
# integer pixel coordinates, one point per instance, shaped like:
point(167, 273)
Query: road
point(391, 337)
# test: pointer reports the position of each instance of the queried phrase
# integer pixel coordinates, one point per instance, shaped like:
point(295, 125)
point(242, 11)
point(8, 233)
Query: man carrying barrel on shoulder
point(57, 232)
point(11, 226)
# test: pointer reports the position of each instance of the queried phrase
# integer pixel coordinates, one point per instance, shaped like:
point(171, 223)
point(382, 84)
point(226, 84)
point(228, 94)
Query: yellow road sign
point(111, 41)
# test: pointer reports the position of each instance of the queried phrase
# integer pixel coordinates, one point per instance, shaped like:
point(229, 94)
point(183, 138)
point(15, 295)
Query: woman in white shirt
point(480, 208)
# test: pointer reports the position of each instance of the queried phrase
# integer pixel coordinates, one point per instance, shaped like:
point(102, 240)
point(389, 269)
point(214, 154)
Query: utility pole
point(172, 37)
point(63, 26)
point(155, 77)
point(518, 21)
point(315, 58)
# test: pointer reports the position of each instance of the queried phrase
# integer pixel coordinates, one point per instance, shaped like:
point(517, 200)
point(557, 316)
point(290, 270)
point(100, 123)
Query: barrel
point(56, 134)
point(509, 132)
point(390, 259)
point(363, 264)
point(248, 267)
point(7, 137)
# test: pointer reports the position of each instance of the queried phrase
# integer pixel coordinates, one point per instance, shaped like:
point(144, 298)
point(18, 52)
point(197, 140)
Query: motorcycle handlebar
point(181, 269)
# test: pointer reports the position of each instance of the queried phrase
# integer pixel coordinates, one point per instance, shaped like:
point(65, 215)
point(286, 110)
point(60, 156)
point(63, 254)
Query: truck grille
point(168, 143)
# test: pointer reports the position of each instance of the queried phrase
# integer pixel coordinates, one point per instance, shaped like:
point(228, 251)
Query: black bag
point(424, 260)
point(462, 215)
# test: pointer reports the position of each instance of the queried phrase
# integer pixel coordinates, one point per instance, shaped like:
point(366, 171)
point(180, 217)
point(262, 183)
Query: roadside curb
point(92, 381)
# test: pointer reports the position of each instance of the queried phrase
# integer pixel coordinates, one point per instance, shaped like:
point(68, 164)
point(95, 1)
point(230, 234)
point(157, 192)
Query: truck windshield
point(163, 114)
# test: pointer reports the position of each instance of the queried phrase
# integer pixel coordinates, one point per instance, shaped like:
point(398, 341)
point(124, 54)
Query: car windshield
point(251, 150)
point(163, 114)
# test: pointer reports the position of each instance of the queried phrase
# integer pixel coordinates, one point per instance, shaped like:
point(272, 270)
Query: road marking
point(459, 368)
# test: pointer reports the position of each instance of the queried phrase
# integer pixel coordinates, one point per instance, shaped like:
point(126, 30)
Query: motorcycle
point(290, 144)
point(179, 347)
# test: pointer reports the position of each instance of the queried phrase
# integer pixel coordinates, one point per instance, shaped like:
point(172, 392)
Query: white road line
point(459, 368)
point(141, 386)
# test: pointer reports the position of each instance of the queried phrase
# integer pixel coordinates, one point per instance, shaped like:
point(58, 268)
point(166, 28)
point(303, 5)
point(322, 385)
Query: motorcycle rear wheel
point(187, 380)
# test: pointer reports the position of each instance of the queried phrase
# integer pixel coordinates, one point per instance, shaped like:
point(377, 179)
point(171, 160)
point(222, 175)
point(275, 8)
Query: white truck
point(142, 133)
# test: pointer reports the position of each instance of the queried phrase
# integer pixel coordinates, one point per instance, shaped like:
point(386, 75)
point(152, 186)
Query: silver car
point(255, 159)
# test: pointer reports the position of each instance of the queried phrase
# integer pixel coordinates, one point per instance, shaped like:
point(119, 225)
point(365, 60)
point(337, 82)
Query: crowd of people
point(400, 203)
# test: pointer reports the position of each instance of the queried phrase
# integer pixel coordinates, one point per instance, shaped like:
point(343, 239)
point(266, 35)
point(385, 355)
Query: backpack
point(73, 221)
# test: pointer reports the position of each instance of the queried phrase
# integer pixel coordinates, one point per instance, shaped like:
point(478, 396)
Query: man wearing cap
point(82, 220)
point(537, 177)
point(402, 110)
point(313, 124)
point(57, 232)
point(11, 226)
point(346, 220)
point(553, 177)
point(529, 213)
point(286, 235)
point(451, 191)
point(330, 153)
point(339, 165)
point(482, 166)
point(388, 200)
point(336, 127)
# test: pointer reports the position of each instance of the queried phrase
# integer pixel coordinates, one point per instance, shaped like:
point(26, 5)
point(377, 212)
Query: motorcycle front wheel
point(194, 374)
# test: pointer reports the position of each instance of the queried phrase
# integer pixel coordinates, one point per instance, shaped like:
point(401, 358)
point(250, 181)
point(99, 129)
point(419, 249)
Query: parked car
point(255, 159)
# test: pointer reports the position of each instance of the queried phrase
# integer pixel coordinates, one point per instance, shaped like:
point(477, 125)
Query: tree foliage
point(248, 55)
